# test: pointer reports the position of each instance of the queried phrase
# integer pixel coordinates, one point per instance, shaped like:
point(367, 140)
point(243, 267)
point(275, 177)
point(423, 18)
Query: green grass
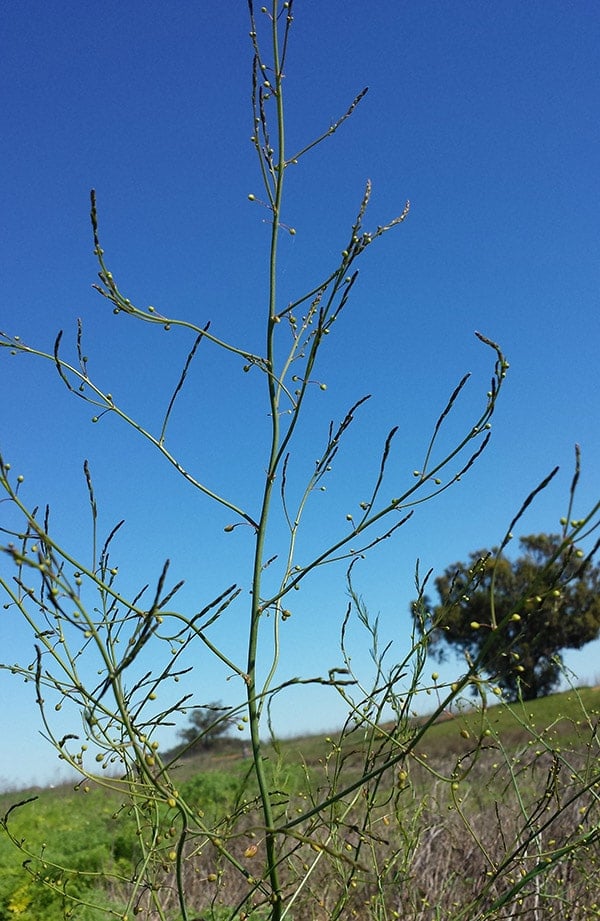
point(94, 836)
point(560, 719)
point(61, 828)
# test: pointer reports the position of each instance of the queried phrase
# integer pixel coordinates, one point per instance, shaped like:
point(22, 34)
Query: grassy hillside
point(466, 762)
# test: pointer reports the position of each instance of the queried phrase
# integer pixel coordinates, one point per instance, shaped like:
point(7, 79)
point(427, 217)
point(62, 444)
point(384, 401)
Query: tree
point(513, 617)
point(206, 726)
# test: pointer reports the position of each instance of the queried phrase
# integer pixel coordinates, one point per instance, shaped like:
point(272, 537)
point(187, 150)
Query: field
point(441, 826)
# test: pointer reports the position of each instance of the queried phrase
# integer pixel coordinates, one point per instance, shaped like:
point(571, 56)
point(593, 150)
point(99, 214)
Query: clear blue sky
point(484, 115)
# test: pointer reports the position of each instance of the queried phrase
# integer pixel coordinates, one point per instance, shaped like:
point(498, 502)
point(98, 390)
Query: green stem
point(274, 392)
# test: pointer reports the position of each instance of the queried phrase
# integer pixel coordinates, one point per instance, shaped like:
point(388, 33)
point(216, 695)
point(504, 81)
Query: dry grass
point(462, 834)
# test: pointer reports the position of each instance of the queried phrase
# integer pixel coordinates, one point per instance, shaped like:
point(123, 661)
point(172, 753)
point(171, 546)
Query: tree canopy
point(514, 617)
point(207, 725)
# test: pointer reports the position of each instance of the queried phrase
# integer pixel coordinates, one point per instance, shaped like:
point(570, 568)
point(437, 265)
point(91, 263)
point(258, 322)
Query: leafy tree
point(206, 726)
point(513, 617)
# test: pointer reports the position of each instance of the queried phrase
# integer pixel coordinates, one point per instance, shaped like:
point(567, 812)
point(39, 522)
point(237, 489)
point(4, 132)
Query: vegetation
point(376, 825)
point(206, 726)
point(513, 617)
point(423, 819)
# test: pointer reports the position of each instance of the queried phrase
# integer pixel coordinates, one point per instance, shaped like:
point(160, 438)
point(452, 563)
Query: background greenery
point(92, 831)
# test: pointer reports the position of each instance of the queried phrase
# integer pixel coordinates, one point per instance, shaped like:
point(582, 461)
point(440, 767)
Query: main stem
point(255, 705)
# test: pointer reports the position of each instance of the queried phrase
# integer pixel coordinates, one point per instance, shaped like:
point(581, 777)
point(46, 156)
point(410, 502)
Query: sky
point(483, 115)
